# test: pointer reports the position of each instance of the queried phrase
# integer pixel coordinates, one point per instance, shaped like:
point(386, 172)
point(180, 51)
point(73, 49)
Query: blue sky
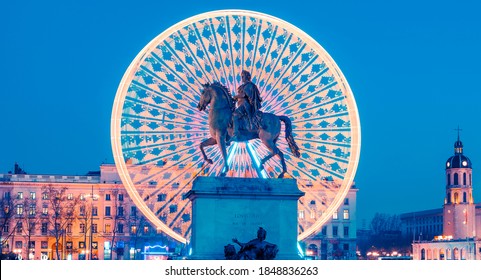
point(414, 67)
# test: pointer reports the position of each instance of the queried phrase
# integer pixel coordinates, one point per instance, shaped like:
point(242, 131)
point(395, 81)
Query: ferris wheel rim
point(127, 78)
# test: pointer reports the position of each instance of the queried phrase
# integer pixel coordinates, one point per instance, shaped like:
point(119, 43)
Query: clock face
point(465, 163)
point(448, 164)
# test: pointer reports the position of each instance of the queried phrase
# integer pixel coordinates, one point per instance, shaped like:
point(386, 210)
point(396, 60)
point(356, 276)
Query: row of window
point(44, 245)
point(108, 210)
point(70, 196)
point(335, 216)
point(456, 179)
point(83, 228)
point(335, 231)
point(456, 198)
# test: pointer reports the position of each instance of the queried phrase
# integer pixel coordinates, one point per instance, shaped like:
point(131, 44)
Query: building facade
point(337, 238)
point(460, 238)
point(76, 217)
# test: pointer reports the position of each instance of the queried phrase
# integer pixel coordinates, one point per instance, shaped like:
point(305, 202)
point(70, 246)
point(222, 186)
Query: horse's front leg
point(209, 142)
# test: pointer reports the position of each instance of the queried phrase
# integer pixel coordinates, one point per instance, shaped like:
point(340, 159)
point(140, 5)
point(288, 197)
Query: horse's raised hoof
point(281, 175)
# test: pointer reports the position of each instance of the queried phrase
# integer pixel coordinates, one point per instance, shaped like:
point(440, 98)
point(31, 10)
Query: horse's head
point(205, 97)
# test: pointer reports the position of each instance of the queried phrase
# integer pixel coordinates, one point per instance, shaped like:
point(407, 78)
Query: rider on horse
point(247, 114)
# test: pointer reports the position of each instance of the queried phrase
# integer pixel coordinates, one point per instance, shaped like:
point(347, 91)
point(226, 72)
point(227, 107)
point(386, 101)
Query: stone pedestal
point(224, 208)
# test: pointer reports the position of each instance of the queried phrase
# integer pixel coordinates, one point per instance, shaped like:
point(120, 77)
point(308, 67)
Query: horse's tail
point(290, 139)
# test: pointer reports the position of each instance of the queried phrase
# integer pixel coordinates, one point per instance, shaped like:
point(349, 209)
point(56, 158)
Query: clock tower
point(459, 208)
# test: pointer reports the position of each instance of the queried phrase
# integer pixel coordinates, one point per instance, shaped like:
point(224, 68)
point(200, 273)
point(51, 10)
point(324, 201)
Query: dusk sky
point(414, 68)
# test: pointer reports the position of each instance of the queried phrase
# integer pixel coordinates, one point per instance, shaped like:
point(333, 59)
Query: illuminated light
point(299, 250)
point(256, 159)
point(465, 163)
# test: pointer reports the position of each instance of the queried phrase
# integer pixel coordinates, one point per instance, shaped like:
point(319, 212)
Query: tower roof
point(459, 160)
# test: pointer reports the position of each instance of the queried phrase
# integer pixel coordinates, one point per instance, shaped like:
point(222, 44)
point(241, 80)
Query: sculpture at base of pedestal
point(256, 249)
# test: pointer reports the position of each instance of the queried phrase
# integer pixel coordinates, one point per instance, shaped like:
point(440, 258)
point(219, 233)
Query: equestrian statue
point(245, 122)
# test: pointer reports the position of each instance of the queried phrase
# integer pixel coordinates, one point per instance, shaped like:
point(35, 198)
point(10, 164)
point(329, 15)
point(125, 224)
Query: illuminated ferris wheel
point(156, 128)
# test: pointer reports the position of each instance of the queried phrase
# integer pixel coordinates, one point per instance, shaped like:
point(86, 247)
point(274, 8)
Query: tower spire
point(458, 129)
point(458, 145)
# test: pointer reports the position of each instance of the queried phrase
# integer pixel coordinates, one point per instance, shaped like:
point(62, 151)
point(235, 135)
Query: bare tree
point(137, 222)
point(29, 221)
point(61, 212)
point(119, 217)
point(7, 215)
point(85, 219)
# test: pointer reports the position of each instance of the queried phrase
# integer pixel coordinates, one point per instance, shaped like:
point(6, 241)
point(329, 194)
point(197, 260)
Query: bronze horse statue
point(221, 110)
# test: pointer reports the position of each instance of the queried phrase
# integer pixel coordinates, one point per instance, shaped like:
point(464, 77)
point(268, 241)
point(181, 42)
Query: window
point(94, 228)
point(44, 244)
point(346, 201)
point(81, 245)
point(82, 228)
point(346, 231)
point(455, 178)
point(70, 196)
point(82, 211)
point(19, 227)
point(464, 178)
point(45, 210)
point(146, 229)
point(107, 197)
point(120, 228)
point(345, 246)
point(69, 228)
point(464, 197)
point(121, 197)
point(108, 228)
point(133, 211)
point(32, 227)
point(133, 229)
point(20, 195)
point(95, 211)
point(33, 195)
point(5, 228)
point(120, 211)
point(448, 179)
point(107, 211)
point(334, 230)
point(32, 210)
point(31, 245)
point(82, 196)
point(6, 195)
point(324, 230)
point(45, 196)
point(95, 197)
point(18, 244)
point(345, 214)
point(20, 209)
point(335, 216)
point(44, 228)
